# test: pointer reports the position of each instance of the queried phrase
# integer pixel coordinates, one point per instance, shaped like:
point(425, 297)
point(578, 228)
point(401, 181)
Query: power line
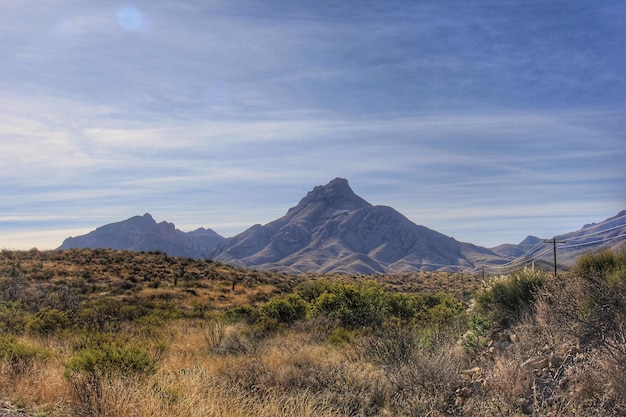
point(554, 243)
point(522, 259)
point(567, 235)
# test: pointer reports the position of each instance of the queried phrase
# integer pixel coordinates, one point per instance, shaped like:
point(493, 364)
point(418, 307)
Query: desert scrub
point(19, 357)
point(353, 306)
point(360, 306)
point(507, 298)
point(285, 309)
point(99, 364)
point(48, 321)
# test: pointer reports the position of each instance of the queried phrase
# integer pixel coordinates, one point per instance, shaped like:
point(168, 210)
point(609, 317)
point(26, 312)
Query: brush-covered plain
point(114, 333)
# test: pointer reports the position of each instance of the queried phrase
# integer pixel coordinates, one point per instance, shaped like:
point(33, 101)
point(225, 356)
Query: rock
point(8, 410)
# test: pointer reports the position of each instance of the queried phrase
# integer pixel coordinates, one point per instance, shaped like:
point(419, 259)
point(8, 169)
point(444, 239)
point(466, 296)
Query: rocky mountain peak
point(337, 194)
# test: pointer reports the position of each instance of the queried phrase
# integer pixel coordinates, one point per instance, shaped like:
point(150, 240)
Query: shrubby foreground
point(98, 332)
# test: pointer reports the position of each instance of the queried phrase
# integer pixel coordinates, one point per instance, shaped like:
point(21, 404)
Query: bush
point(507, 298)
point(591, 304)
point(112, 358)
point(48, 321)
point(243, 313)
point(353, 306)
point(569, 356)
point(19, 356)
point(103, 360)
point(214, 332)
point(474, 338)
point(284, 310)
point(606, 265)
point(311, 290)
point(13, 317)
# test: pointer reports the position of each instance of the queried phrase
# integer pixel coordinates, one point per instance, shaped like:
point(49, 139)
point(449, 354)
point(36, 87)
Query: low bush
point(20, 357)
point(13, 317)
point(507, 298)
point(104, 359)
point(243, 313)
point(48, 321)
point(284, 310)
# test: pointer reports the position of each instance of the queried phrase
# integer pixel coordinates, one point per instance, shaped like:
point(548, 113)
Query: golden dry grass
point(209, 366)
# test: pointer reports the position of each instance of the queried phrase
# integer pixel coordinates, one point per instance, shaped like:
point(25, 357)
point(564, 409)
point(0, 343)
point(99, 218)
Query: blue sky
point(486, 120)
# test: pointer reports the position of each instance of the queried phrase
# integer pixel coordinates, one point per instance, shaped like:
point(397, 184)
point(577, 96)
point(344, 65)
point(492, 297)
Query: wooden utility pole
point(462, 286)
point(554, 242)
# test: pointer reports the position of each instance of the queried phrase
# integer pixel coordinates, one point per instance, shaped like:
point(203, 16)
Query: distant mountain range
point(332, 230)
point(144, 234)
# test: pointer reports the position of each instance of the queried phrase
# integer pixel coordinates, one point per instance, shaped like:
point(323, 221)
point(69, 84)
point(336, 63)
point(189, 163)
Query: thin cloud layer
point(485, 121)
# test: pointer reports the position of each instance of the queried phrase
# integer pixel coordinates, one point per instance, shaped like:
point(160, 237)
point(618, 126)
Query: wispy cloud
point(464, 117)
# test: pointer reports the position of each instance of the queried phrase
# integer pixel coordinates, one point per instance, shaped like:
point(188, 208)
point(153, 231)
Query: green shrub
point(19, 356)
point(126, 359)
point(284, 310)
point(13, 317)
point(311, 290)
point(341, 336)
point(102, 360)
point(606, 265)
point(48, 321)
point(474, 338)
point(507, 298)
point(442, 310)
point(243, 313)
point(353, 306)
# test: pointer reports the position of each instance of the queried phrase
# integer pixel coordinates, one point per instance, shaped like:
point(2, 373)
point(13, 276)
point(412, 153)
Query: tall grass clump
point(96, 367)
point(18, 358)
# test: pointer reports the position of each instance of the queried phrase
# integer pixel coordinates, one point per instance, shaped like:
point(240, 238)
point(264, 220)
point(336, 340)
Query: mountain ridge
point(143, 233)
point(333, 230)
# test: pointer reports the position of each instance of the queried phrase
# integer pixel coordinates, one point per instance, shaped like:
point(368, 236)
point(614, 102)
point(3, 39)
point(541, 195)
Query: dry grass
point(547, 363)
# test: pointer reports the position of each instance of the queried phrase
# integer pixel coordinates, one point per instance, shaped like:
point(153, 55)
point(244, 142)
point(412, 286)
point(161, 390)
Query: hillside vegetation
point(103, 332)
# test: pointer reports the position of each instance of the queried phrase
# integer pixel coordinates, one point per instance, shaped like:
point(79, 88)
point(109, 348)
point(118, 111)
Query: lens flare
point(130, 18)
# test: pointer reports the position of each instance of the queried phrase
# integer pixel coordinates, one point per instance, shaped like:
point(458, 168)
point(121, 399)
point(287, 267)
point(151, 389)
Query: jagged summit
point(336, 195)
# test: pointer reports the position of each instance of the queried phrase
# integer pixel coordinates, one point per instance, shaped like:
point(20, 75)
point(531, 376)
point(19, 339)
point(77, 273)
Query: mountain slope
point(607, 234)
point(143, 233)
point(334, 230)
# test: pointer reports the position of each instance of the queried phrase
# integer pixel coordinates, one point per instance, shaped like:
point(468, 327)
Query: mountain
point(334, 230)
point(607, 234)
point(143, 233)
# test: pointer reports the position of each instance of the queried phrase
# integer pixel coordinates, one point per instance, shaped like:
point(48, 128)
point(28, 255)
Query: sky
point(485, 120)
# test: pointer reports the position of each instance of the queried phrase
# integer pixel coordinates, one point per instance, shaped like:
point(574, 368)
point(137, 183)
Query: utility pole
point(554, 242)
point(462, 286)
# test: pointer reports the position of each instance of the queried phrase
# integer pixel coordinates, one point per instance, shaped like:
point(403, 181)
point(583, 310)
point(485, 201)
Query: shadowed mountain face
point(334, 230)
point(143, 233)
